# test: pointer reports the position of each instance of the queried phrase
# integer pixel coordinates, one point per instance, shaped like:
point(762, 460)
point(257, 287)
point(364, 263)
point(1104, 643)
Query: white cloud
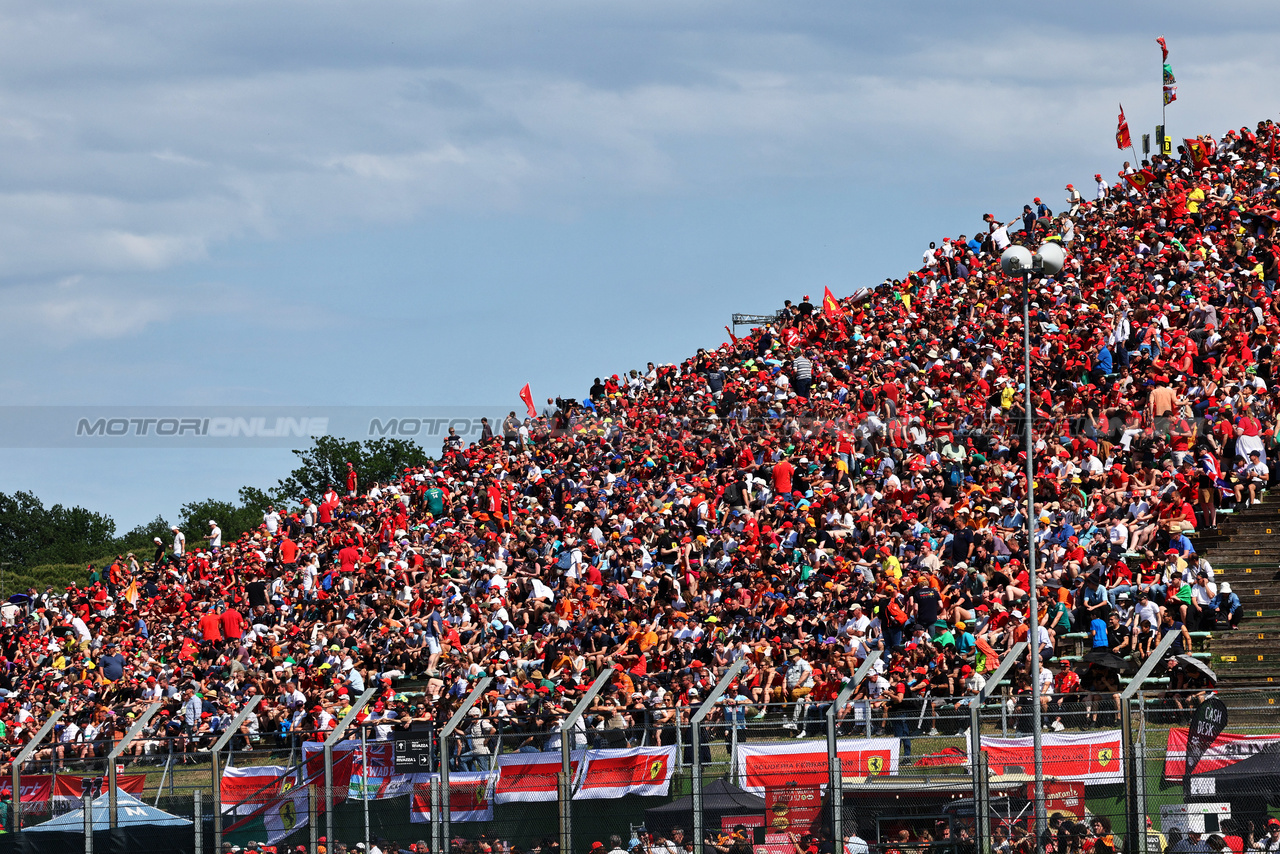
point(80, 309)
point(145, 135)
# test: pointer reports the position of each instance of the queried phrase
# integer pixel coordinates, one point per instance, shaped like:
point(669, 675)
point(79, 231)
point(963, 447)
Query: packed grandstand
point(847, 478)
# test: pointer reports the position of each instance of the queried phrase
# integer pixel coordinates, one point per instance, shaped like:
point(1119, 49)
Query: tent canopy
point(719, 799)
point(1257, 776)
point(132, 813)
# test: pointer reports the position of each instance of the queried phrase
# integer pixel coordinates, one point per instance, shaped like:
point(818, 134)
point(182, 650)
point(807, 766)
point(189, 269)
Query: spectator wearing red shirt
point(211, 627)
point(233, 624)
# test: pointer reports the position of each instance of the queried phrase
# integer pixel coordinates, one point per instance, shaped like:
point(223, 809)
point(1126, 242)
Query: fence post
point(364, 780)
point(1140, 790)
point(695, 739)
point(313, 832)
point(1132, 812)
point(733, 746)
point(198, 814)
point(452, 724)
point(87, 798)
point(982, 802)
point(232, 729)
point(679, 741)
point(695, 734)
point(433, 788)
point(330, 740)
point(564, 786)
point(836, 790)
point(445, 809)
point(977, 765)
point(20, 762)
point(112, 818)
point(566, 749)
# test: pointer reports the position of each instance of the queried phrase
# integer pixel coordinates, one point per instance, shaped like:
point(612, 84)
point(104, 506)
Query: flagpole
point(1164, 106)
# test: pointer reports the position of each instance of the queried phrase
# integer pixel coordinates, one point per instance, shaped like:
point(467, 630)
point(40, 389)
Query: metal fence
point(900, 775)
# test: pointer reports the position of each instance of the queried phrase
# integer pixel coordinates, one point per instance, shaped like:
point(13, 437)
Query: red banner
point(612, 773)
point(792, 809)
point(804, 763)
point(531, 777)
point(68, 791)
point(246, 789)
point(1084, 757)
point(1226, 749)
point(470, 797)
point(1064, 799)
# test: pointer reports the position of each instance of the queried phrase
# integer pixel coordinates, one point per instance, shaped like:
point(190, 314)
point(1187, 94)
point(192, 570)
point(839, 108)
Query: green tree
point(31, 533)
point(325, 464)
point(233, 518)
point(141, 540)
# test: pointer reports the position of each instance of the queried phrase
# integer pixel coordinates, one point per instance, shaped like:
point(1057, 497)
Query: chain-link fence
point(749, 779)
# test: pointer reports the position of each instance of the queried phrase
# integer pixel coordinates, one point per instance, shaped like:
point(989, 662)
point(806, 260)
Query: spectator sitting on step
point(1229, 609)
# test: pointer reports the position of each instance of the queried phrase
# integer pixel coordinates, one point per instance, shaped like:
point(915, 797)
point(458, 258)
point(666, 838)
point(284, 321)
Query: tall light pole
point(1018, 261)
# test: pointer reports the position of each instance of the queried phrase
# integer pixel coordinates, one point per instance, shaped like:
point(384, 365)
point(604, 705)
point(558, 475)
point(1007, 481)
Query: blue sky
point(220, 203)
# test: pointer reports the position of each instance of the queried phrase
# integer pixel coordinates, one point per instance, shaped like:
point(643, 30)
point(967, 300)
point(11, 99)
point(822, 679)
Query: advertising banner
point(1091, 757)
point(1227, 749)
point(804, 763)
point(614, 772)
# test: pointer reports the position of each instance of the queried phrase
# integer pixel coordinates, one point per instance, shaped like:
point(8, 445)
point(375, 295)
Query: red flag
point(527, 396)
point(1197, 151)
point(1164, 49)
point(732, 337)
point(1139, 180)
point(1123, 140)
point(830, 306)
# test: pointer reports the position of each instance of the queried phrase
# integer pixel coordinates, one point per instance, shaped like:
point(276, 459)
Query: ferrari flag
point(830, 305)
point(612, 773)
point(1092, 757)
point(1123, 140)
point(1198, 153)
point(1140, 179)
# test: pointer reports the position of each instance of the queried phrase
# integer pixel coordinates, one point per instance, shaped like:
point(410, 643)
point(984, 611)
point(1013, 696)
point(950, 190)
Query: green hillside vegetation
point(55, 546)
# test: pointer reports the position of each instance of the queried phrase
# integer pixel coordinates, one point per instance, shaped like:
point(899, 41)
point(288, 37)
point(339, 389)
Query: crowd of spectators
point(850, 477)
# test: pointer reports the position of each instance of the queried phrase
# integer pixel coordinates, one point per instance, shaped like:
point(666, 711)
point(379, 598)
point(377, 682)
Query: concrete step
point(1246, 644)
point(1258, 552)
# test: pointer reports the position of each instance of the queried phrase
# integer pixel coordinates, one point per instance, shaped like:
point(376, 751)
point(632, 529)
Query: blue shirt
point(1104, 359)
point(1098, 629)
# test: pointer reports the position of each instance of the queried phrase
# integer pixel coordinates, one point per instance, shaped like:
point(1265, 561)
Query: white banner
point(614, 772)
point(804, 763)
point(1088, 757)
point(533, 777)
